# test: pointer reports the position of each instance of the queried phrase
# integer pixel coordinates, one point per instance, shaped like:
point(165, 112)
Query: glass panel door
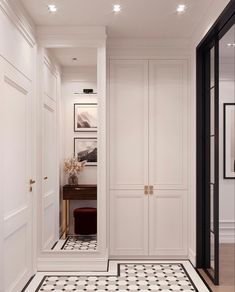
point(227, 155)
point(212, 161)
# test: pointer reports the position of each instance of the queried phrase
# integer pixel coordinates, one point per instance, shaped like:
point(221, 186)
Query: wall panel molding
point(67, 36)
point(17, 16)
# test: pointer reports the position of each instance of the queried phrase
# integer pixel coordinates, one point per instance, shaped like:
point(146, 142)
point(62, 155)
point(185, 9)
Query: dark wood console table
point(80, 192)
point(77, 192)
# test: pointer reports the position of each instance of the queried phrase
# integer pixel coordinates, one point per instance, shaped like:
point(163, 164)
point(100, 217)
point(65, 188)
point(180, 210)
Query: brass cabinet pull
point(146, 190)
point(151, 190)
point(78, 189)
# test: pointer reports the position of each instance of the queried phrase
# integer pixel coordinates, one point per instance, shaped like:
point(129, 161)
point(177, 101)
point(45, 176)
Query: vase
point(73, 179)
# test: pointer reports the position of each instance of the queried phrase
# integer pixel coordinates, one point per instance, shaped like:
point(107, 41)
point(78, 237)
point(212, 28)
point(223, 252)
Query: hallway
point(104, 105)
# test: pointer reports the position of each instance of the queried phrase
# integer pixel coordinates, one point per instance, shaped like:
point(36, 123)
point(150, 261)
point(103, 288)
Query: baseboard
point(73, 264)
point(136, 257)
point(192, 257)
point(227, 232)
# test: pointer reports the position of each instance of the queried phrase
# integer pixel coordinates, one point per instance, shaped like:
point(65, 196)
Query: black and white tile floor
point(124, 276)
point(77, 244)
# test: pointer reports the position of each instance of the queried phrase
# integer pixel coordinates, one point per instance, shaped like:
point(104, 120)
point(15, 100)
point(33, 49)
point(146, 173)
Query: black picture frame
point(85, 148)
point(85, 120)
point(227, 142)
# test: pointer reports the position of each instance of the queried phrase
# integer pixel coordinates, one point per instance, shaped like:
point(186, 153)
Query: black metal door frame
point(221, 26)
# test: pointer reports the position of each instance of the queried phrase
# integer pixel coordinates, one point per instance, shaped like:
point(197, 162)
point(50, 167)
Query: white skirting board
point(73, 261)
point(227, 232)
point(192, 257)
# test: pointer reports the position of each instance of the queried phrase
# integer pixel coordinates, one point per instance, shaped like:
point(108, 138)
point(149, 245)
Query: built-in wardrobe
point(148, 159)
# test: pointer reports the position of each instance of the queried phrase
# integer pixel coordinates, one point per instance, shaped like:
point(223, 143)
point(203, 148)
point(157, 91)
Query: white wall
point(15, 46)
point(17, 59)
point(74, 80)
point(227, 186)
point(203, 27)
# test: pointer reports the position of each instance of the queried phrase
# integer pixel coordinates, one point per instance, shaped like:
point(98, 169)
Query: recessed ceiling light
point(52, 8)
point(181, 8)
point(231, 45)
point(74, 59)
point(117, 8)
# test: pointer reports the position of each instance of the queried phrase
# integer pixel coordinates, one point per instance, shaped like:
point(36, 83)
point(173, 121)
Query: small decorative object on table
point(73, 167)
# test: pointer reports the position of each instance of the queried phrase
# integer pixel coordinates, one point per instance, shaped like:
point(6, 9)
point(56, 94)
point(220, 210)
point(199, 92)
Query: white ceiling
point(138, 19)
point(85, 56)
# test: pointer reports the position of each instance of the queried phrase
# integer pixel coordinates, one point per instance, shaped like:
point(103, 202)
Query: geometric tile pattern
point(131, 277)
point(74, 243)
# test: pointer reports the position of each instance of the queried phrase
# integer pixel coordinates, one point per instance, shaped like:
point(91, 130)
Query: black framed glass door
point(212, 163)
point(208, 144)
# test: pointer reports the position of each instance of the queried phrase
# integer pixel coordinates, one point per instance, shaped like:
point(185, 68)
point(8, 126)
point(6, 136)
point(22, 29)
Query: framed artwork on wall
point(229, 140)
point(85, 117)
point(86, 149)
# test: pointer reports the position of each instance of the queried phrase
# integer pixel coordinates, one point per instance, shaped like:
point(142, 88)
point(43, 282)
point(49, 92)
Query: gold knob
point(150, 190)
point(146, 190)
point(31, 182)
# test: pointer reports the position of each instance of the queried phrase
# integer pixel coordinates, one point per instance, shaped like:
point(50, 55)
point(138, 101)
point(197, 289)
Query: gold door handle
point(45, 177)
point(31, 182)
point(151, 190)
point(146, 190)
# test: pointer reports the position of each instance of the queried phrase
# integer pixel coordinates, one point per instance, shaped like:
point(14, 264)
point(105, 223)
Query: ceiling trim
point(144, 43)
point(17, 16)
point(71, 36)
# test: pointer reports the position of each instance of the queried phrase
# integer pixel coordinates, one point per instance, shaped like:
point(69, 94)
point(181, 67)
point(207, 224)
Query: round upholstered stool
point(85, 221)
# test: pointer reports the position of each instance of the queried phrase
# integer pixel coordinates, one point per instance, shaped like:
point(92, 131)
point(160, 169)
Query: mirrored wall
point(77, 121)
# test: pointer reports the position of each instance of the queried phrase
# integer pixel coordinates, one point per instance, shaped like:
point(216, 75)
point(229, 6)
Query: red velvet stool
point(85, 221)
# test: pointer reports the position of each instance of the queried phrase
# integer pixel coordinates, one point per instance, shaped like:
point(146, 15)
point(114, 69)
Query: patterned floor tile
point(80, 244)
point(131, 277)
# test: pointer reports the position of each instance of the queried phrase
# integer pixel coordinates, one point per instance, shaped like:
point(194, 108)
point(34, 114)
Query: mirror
point(77, 117)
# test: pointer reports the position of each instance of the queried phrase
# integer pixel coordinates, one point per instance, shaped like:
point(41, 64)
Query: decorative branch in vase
point(73, 167)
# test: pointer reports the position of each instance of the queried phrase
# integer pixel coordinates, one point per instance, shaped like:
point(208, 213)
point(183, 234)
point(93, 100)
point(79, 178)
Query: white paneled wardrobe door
point(168, 157)
point(49, 159)
point(16, 171)
point(128, 157)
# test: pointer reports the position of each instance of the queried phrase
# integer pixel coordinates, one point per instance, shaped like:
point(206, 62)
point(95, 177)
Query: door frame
point(68, 37)
point(217, 31)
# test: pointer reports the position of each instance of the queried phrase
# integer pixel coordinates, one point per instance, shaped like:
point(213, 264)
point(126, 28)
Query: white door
point(50, 194)
point(15, 172)
point(128, 157)
point(168, 157)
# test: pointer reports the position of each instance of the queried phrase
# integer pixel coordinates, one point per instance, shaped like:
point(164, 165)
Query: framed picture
point(86, 149)
point(229, 140)
point(85, 117)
